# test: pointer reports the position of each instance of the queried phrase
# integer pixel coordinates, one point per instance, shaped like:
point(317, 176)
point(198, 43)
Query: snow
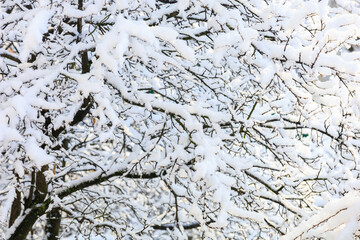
point(196, 212)
point(337, 213)
point(36, 154)
point(5, 208)
point(122, 4)
point(8, 135)
point(89, 9)
point(38, 25)
point(178, 189)
point(247, 110)
point(182, 6)
point(92, 237)
point(235, 211)
point(225, 41)
point(170, 35)
point(19, 169)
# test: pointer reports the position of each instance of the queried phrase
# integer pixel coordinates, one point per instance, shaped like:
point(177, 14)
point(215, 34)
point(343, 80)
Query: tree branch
point(186, 226)
point(102, 178)
point(9, 56)
point(167, 1)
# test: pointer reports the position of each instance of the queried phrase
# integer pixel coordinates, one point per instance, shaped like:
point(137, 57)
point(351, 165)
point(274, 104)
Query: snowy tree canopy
point(179, 119)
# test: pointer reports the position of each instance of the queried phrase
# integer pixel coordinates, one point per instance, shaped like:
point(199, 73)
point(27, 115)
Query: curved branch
point(9, 56)
point(186, 226)
point(22, 227)
point(168, 1)
point(99, 177)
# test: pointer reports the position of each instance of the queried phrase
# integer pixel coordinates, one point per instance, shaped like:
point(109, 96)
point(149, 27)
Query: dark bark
point(186, 226)
point(168, 1)
point(53, 221)
point(30, 197)
point(41, 185)
point(10, 56)
point(15, 208)
point(23, 229)
point(85, 62)
point(105, 177)
point(34, 205)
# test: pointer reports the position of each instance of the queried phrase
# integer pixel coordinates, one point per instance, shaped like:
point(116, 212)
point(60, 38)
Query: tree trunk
point(23, 229)
point(53, 220)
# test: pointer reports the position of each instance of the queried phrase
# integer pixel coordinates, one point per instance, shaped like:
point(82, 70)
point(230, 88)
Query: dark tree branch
point(168, 1)
point(79, 116)
point(11, 57)
point(53, 221)
point(276, 191)
point(103, 177)
point(30, 217)
point(186, 226)
point(15, 208)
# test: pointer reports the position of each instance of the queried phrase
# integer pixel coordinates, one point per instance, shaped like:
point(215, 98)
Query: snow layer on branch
point(5, 208)
point(37, 26)
point(8, 135)
point(90, 9)
point(114, 45)
point(241, 38)
point(36, 154)
point(245, 109)
point(122, 4)
point(235, 211)
point(337, 220)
